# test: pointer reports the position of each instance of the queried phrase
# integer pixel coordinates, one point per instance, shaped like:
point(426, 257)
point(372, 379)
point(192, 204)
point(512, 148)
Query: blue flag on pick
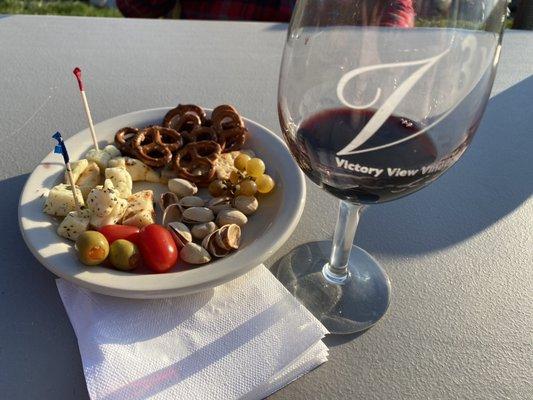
point(60, 147)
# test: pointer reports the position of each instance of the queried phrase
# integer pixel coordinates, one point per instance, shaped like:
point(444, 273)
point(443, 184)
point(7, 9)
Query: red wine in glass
point(367, 177)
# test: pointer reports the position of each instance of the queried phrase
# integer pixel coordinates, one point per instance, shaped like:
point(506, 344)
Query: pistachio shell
point(182, 187)
point(180, 233)
point(173, 213)
point(192, 201)
point(231, 236)
point(200, 231)
point(217, 251)
point(218, 204)
point(194, 254)
point(231, 216)
point(205, 241)
point(222, 241)
point(246, 204)
point(219, 241)
point(197, 215)
point(167, 199)
point(209, 244)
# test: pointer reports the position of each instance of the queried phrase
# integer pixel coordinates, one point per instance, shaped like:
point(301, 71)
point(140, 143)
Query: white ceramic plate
point(277, 217)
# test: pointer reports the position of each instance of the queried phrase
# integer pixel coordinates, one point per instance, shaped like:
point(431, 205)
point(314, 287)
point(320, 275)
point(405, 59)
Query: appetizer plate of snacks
point(172, 201)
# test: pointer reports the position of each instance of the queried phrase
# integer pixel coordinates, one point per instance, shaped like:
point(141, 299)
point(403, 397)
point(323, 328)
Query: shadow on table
point(492, 179)
point(337, 340)
point(280, 26)
point(32, 332)
point(283, 270)
point(200, 359)
point(329, 340)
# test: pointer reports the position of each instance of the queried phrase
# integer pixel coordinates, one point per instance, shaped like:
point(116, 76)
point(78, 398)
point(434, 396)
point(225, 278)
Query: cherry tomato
point(157, 247)
point(115, 232)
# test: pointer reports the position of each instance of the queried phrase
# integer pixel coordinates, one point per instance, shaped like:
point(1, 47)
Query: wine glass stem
point(336, 270)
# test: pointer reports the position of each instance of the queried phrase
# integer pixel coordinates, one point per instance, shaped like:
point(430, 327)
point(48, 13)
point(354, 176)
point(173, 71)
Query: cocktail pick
point(60, 148)
point(77, 73)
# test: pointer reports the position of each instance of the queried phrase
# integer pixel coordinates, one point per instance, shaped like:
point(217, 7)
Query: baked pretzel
point(223, 107)
point(124, 140)
point(154, 145)
point(226, 117)
point(232, 139)
point(196, 161)
point(200, 134)
point(185, 122)
point(173, 117)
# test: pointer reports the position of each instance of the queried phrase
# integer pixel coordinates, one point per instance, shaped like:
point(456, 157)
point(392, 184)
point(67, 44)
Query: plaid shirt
point(400, 14)
point(252, 10)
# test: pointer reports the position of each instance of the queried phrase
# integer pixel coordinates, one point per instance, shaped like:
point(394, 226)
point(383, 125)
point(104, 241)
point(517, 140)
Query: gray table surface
point(458, 252)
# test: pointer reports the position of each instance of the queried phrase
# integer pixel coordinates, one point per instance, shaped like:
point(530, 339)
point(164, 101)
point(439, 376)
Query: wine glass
point(376, 100)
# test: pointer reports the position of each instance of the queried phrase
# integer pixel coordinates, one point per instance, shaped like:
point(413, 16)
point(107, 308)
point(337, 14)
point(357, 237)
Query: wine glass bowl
point(377, 100)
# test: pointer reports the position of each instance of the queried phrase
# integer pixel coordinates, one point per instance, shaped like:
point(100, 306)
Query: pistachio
point(197, 215)
point(218, 241)
point(223, 241)
point(167, 199)
point(230, 236)
point(182, 187)
point(194, 254)
point(173, 213)
point(246, 204)
point(210, 245)
point(218, 204)
point(200, 231)
point(231, 216)
point(180, 233)
point(192, 201)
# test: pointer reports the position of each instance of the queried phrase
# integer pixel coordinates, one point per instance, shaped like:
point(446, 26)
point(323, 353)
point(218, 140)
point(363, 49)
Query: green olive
point(124, 255)
point(93, 248)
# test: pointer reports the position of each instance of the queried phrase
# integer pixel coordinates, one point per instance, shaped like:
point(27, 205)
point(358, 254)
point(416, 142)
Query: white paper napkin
point(244, 339)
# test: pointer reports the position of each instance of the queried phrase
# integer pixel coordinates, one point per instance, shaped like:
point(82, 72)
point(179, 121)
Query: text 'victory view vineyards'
point(377, 171)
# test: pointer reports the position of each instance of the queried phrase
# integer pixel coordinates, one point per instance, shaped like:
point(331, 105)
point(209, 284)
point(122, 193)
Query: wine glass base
point(353, 305)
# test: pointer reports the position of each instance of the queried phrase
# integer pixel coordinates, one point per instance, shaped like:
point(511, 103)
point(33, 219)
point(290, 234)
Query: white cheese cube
point(60, 200)
point(102, 199)
point(138, 170)
point(77, 168)
point(100, 157)
point(90, 177)
point(121, 180)
point(112, 151)
point(74, 224)
point(113, 217)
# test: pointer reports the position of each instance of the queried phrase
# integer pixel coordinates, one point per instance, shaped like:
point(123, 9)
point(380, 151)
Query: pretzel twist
point(154, 145)
point(196, 161)
point(124, 140)
point(200, 134)
point(184, 117)
point(226, 117)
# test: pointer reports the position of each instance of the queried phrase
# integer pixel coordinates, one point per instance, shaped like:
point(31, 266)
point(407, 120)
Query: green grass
point(57, 7)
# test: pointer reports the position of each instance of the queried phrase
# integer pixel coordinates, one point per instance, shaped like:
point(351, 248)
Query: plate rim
point(169, 289)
